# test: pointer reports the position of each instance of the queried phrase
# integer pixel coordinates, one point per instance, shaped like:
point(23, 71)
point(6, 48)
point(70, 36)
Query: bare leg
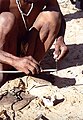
point(62, 27)
point(7, 38)
point(48, 25)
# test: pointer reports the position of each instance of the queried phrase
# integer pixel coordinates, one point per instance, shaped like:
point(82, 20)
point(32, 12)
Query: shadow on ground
point(76, 15)
point(56, 81)
point(73, 58)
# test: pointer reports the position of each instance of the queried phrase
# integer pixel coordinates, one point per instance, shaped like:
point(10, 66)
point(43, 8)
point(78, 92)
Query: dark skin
point(45, 25)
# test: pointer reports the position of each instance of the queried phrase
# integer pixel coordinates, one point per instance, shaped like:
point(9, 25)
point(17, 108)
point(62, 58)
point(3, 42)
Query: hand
point(60, 49)
point(27, 65)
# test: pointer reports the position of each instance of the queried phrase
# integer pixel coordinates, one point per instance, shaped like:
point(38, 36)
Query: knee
point(7, 21)
point(50, 27)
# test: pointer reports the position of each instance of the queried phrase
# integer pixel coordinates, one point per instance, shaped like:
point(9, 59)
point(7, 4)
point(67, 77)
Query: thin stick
point(48, 70)
point(43, 70)
point(10, 71)
point(56, 65)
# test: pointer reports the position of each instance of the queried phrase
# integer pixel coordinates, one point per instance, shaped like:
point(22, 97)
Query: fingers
point(33, 66)
point(60, 51)
point(64, 51)
point(27, 65)
point(26, 71)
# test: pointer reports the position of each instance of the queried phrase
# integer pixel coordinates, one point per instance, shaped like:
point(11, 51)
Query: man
point(35, 24)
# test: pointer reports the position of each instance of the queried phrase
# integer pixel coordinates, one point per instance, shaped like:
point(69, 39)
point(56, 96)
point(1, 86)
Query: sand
point(65, 86)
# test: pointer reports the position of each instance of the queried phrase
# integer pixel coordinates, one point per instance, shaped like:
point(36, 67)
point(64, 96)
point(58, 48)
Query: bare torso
point(11, 6)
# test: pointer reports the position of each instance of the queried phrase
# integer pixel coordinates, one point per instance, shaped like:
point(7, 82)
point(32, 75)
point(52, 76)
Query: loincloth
point(22, 45)
point(24, 48)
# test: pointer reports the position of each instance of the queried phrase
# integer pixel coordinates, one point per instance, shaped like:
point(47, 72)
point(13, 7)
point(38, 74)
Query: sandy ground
point(58, 95)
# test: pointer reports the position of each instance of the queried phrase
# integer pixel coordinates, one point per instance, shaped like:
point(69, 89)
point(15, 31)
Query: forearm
point(24, 64)
point(7, 58)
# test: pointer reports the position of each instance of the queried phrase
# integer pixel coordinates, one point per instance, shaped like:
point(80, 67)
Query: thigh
point(48, 24)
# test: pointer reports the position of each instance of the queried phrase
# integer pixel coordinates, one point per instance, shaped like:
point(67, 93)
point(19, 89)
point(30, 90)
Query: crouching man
point(32, 25)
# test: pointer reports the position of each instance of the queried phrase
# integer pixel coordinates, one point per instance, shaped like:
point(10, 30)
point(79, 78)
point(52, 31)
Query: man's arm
point(25, 64)
point(8, 44)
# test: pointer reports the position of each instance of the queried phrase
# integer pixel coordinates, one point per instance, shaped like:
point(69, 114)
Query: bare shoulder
point(3, 5)
point(53, 5)
point(52, 2)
